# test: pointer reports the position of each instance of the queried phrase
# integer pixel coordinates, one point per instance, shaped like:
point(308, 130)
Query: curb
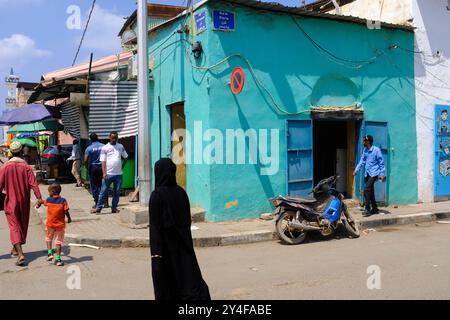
point(239, 238)
point(403, 219)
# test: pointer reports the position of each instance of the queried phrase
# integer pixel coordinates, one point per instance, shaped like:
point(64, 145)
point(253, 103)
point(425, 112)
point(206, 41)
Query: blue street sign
point(200, 21)
point(224, 20)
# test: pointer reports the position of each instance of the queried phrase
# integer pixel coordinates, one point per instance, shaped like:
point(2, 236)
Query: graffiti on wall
point(443, 135)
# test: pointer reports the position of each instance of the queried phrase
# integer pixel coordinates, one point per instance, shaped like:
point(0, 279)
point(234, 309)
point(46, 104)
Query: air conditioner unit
point(132, 68)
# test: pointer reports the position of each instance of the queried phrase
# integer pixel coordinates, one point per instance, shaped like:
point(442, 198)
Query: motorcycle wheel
point(350, 225)
point(284, 233)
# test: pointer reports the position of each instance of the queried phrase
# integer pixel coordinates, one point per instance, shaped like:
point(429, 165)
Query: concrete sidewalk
point(107, 230)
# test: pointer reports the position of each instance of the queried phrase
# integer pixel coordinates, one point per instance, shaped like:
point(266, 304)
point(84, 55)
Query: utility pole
point(144, 150)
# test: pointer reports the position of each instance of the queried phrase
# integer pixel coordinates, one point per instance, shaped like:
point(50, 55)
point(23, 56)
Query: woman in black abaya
point(175, 270)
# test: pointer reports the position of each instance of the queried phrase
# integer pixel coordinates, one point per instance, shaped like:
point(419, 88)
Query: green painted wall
point(298, 75)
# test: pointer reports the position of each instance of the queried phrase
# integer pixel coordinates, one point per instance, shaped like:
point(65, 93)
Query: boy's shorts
point(53, 234)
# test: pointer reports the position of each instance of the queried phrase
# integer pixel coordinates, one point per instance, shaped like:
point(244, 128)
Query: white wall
point(432, 20)
point(391, 11)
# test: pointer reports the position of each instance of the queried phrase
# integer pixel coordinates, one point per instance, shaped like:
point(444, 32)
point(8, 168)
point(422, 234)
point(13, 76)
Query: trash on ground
point(443, 222)
point(194, 228)
point(83, 245)
point(367, 231)
point(254, 269)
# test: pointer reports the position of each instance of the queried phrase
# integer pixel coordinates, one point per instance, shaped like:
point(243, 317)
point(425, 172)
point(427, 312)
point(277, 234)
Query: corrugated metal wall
point(113, 107)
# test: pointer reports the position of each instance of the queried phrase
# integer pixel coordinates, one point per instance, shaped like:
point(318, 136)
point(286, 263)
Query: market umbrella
point(34, 134)
point(51, 125)
point(29, 114)
point(26, 142)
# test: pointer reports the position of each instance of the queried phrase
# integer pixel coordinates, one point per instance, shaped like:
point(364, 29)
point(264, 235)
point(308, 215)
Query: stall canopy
point(36, 127)
point(29, 114)
point(34, 134)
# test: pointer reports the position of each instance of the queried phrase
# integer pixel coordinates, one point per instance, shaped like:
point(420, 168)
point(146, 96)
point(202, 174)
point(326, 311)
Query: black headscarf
point(165, 173)
point(177, 275)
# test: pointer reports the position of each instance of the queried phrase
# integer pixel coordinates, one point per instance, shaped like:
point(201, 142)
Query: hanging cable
point(258, 82)
point(84, 32)
point(318, 46)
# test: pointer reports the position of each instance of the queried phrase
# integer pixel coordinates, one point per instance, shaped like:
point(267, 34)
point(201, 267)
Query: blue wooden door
point(442, 152)
point(300, 158)
point(379, 132)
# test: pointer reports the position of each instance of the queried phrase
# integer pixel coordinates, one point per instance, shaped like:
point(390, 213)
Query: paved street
point(414, 263)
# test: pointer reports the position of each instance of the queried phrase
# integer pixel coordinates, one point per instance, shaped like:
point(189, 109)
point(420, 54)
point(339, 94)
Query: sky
point(35, 38)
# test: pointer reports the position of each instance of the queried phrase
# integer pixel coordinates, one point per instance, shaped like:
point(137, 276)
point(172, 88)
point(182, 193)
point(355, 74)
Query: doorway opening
point(335, 145)
point(178, 121)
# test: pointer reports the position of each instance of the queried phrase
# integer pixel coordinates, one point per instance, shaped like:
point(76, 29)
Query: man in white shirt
point(111, 158)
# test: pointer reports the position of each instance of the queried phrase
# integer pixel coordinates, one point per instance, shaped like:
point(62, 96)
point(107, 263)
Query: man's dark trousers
point(369, 194)
point(95, 179)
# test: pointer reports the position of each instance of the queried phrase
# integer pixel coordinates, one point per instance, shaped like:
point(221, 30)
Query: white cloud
point(102, 32)
point(18, 49)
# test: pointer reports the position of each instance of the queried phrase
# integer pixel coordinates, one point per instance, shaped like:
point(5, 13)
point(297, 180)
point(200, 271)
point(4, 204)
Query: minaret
point(11, 85)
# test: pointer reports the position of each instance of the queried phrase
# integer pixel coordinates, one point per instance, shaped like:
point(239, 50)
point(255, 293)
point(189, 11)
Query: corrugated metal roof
point(297, 11)
point(325, 5)
point(100, 65)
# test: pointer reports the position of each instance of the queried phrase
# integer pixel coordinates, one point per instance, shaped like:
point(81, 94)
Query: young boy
point(57, 210)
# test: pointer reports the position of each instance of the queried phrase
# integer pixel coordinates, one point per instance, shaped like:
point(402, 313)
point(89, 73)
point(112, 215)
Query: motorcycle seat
point(301, 200)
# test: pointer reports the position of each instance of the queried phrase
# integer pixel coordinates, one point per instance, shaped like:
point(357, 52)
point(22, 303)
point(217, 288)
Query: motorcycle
point(325, 213)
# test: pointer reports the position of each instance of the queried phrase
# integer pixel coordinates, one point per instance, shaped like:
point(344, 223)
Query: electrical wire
point(84, 32)
point(163, 43)
point(318, 46)
point(431, 74)
point(422, 93)
point(258, 82)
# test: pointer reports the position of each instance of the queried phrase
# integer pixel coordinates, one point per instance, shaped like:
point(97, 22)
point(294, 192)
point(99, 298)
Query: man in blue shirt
point(374, 170)
point(92, 162)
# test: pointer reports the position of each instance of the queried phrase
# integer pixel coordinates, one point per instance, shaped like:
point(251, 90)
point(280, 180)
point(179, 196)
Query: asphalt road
point(413, 263)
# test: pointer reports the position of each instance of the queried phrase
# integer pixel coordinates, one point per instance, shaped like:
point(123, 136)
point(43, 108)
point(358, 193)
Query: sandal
point(20, 262)
point(14, 254)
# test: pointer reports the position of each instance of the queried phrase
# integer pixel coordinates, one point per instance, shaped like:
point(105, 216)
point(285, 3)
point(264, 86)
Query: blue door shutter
point(300, 157)
point(379, 132)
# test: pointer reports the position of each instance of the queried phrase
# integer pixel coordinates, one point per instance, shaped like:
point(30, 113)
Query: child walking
point(57, 210)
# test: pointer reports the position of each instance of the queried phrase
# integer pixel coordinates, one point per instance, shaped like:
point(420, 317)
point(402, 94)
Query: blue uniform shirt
point(374, 162)
point(93, 152)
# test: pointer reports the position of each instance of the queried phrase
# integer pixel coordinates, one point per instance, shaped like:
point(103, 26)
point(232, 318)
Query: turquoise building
point(261, 99)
